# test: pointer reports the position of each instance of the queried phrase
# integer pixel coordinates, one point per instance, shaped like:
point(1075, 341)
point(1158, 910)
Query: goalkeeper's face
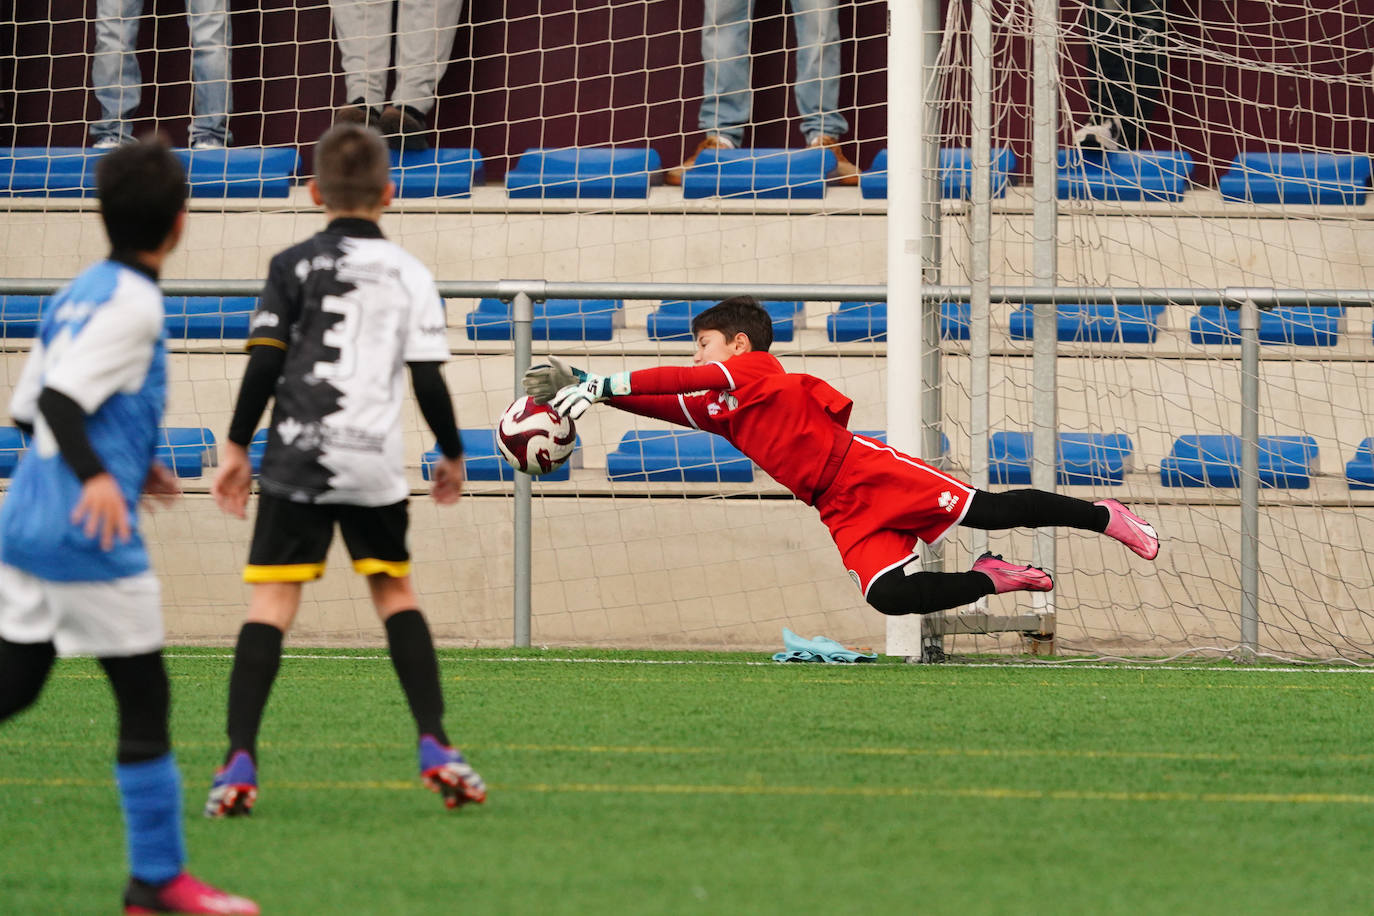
point(714, 347)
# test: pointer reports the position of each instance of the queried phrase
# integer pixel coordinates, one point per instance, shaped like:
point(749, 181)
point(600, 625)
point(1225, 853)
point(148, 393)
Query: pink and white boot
point(1130, 529)
point(1008, 578)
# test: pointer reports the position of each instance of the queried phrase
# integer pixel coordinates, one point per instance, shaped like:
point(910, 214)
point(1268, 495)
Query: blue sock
point(150, 792)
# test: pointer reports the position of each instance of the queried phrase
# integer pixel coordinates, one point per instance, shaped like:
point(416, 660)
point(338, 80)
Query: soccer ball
point(533, 438)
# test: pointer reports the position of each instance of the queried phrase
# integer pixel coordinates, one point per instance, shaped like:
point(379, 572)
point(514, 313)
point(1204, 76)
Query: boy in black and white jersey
point(341, 316)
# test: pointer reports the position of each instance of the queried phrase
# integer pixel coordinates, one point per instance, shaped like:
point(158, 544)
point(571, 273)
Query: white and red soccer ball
point(533, 438)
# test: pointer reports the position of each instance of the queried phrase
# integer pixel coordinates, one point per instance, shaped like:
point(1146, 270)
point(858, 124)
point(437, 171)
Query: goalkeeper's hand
point(542, 382)
point(573, 400)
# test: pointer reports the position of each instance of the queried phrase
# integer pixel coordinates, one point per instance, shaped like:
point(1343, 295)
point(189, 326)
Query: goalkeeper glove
point(573, 400)
point(542, 382)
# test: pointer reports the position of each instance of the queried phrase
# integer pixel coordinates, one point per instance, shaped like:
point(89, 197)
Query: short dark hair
point(141, 187)
point(740, 314)
point(352, 167)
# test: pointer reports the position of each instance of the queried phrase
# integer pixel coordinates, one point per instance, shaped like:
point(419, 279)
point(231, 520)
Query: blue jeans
point(117, 82)
point(727, 98)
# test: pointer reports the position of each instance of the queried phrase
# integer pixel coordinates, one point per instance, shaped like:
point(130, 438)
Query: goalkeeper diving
point(879, 504)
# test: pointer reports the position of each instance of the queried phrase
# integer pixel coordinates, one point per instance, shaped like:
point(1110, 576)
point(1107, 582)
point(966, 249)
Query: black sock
point(256, 660)
point(1032, 509)
point(144, 700)
point(412, 654)
point(24, 668)
point(896, 594)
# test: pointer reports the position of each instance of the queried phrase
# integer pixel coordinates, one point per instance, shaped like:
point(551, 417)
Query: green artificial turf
point(696, 783)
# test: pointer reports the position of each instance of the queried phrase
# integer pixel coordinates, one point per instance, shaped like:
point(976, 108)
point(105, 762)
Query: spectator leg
point(363, 31)
point(208, 23)
point(424, 41)
point(817, 23)
point(726, 95)
point(115, 76)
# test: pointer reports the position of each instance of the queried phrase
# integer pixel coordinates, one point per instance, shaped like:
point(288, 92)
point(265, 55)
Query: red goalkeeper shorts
point(882, 503)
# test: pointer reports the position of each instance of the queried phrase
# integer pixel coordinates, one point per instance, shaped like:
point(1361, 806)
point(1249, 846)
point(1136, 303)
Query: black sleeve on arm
point(67, 421)
point(259, 381)
point(431, 393)
point(24, 427)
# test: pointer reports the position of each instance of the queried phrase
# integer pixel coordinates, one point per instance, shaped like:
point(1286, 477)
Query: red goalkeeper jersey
point(787, 423)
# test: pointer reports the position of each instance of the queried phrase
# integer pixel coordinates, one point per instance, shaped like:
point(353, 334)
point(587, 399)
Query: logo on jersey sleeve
point(724, 401)
point(948, 501)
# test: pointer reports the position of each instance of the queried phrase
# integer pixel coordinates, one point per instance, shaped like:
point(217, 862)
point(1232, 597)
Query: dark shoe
point(845, 172)
point(404, 128)
point(712, 141)
point(357, 112)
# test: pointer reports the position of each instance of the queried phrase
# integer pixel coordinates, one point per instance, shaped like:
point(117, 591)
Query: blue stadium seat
point(438, 172)
point(20, 315)
point(1359, 471)
point(1095, 322)
point(209, 317)
point(680, 456)
point(556, 319)
point(13, 442)
point(256, 446)
point(865, 321)
point(1285, 462)
point(187, 450)
point(1128, 175)
point(482, 459)
point(788, 173)
point(1303, 325)
point(956, 173)
point(1081, 459)
point(240, 171)
point(39, 171)
point(672, 320)
point(583, 172)
point(1296, 178)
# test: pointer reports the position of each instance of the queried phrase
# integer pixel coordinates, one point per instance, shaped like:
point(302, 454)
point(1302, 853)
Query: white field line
point(1325, 668)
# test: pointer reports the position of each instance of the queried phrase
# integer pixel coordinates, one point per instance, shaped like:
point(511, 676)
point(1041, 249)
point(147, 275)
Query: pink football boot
point(1130, 529)
point(1008, 578)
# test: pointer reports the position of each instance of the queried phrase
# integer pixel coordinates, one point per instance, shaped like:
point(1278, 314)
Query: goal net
point(554, 136)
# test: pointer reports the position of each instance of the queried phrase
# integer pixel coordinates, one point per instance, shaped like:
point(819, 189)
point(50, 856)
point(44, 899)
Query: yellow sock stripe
point(285, 572)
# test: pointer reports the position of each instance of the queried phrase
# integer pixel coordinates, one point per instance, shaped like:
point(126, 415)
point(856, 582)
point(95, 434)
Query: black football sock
point(412, 654)
point(1032, 509)
point(895, 593)
point(24, 668)
point(257, 656)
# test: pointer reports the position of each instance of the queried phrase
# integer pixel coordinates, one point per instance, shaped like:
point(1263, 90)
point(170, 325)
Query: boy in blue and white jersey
point(74, 573)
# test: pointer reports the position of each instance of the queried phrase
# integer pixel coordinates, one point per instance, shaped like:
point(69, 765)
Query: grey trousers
point(423, 39)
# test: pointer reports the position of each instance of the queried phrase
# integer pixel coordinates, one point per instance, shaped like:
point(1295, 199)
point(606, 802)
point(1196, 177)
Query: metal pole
point(1044, 408)
point(932, 247)
point(522, 316)
point(1249, 477)
point(980, 250)
point(906, 88)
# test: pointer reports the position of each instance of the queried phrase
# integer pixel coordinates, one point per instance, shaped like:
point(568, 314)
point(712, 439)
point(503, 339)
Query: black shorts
point(291, 539)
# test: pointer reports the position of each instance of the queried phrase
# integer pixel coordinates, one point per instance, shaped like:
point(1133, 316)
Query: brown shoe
point(357, 112)
point(404, 128)
point(845, 172)
point(712, 141)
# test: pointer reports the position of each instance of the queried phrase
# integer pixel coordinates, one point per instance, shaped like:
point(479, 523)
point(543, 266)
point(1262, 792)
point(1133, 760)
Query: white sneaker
point(106, 143)
point(208, 143)
point(1104, 135)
